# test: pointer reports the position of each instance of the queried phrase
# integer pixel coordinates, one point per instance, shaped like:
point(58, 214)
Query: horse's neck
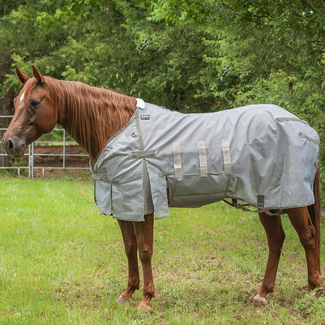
point(90, 128)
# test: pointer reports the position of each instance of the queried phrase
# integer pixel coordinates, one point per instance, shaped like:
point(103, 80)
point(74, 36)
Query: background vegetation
point(187, 55)
point(62, 263)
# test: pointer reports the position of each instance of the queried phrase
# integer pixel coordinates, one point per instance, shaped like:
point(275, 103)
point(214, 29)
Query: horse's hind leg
point(275, 237)
point(144, 235)
point(130, 243)
point(301, 221)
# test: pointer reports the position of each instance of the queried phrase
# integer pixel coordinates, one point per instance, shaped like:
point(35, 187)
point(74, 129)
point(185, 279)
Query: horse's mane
point(85, 110)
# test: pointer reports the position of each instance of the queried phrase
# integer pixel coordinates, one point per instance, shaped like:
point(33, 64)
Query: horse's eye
point(34, 103)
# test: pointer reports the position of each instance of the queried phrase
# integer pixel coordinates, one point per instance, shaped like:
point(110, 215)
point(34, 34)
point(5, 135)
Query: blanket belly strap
point(234, 203)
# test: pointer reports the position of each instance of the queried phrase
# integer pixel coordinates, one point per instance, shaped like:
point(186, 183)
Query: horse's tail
point(314, 211)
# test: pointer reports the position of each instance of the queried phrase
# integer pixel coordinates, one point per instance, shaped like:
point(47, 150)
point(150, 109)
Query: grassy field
point(63, 263)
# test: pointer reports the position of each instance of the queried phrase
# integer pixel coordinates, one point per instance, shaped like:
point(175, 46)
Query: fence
point(31, 155)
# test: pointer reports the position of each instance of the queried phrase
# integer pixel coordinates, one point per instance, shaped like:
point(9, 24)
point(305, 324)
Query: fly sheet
point(260, 154)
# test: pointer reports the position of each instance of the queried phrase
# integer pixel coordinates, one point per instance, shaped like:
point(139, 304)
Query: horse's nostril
point(10, 144)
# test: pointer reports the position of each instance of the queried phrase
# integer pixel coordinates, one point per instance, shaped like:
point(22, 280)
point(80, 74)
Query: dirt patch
point(50, 160)
point(75, 156)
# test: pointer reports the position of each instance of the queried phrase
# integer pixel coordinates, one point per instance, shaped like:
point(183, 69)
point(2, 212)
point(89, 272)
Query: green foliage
point(113, 45)
point(304, 99)
point(309, 304)
point(261, 37)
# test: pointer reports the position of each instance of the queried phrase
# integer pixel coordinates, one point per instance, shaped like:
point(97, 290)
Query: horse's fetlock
point(149, 293)
point(133, 283)
point(314, 281)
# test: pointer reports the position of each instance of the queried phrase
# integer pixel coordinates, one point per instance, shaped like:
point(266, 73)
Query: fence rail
point(31, 154)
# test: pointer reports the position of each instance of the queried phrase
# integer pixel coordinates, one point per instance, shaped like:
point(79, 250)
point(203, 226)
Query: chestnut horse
point(92, 116)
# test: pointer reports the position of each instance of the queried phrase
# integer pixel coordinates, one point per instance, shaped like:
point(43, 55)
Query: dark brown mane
point(91, 115)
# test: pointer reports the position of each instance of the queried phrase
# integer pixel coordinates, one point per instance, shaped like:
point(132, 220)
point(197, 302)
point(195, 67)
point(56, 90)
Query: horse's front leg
point(144, 235)
point(130, 243)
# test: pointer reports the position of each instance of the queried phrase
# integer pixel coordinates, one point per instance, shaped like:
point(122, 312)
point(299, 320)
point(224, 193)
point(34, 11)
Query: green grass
point(63, 263)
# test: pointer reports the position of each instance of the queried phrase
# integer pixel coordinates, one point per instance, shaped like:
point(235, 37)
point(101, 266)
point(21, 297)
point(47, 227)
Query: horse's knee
point(145, 254)
point(130, 248)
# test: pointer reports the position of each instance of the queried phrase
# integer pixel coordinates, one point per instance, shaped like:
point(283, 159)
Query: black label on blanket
point(145, 117)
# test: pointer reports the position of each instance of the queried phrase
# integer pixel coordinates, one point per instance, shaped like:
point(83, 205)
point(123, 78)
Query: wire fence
point(31, 154)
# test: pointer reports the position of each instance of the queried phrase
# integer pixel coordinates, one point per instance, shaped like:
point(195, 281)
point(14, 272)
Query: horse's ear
point(37, 75)
point(21, 76)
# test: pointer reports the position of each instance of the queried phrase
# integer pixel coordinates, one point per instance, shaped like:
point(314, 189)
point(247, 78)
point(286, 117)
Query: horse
point(92, 116)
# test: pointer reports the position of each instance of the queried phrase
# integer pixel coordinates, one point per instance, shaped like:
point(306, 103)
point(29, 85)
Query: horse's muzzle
point(14, 146)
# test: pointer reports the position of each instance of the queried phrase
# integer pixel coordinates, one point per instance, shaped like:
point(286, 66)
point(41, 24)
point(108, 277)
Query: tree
point(262, 36)
point(112, 44)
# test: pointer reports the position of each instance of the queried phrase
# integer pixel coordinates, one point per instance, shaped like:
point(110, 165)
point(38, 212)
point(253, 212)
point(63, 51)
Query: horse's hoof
point(144, 308)
point(123, 300)
point(320, 292)
point(259, 301)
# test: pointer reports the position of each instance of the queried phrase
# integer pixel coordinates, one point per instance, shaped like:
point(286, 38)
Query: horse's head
point(35, 114)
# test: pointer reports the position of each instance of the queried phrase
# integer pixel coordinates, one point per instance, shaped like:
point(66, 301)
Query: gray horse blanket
point(262, 155)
